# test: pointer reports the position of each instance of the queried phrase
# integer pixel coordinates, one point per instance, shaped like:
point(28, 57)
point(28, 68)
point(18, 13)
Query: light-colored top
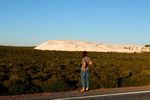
point(85, 60)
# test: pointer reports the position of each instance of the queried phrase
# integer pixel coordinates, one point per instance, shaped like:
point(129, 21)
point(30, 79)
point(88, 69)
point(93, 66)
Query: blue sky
point(31, 22)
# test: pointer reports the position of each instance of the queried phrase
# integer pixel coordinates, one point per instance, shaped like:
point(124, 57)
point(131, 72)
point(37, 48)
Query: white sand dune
point(70, 45)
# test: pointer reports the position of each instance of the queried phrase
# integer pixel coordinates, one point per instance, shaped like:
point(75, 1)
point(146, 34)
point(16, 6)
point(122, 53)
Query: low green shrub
point(53, 85)
point(15, 86)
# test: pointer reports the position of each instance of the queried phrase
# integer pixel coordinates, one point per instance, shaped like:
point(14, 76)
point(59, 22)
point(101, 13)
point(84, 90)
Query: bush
point(53, 85)
point(15, 86)
point(3, 89)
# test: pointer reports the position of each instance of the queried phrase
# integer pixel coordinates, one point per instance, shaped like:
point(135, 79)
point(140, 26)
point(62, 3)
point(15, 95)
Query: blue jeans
point(85, 78)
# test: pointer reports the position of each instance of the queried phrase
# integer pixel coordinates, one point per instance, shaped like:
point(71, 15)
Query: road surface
point(139, 95)
point(126, 93)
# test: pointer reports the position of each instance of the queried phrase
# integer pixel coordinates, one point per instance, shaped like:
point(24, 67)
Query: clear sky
point(31, 22)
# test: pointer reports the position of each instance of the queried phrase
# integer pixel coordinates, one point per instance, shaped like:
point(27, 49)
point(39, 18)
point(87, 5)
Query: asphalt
point(142, 96)
point(126, 93)
point(139, 95)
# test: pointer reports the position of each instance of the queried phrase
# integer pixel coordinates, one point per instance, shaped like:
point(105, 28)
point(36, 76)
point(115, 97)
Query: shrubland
point(26, 70)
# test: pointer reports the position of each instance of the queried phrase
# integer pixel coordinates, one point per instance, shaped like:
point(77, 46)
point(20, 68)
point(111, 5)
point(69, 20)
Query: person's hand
point(90, 63)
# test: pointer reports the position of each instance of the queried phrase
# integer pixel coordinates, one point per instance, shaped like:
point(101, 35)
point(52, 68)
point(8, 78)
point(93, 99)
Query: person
point(85, 62)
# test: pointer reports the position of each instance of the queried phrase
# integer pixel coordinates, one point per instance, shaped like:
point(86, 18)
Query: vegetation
point(147, 45)
point(25, 70)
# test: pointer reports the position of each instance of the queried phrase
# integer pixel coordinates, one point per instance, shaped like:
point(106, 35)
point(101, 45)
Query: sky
point(32, 22)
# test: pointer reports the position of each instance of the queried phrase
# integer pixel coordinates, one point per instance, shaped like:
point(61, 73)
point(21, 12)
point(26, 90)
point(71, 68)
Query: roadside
point(75, 93)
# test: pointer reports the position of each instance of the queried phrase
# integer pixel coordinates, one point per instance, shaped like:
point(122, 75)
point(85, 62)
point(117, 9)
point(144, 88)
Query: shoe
point(82, 90)
point(87, 89)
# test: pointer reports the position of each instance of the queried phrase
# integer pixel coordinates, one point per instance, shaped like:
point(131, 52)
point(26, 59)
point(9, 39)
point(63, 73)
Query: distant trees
point(147, 45)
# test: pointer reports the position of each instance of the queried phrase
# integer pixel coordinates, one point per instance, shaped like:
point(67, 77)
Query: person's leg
point(83, 80)
point(87, 80)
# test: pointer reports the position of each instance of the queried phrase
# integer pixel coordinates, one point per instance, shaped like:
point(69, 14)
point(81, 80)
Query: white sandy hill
point(69, 45)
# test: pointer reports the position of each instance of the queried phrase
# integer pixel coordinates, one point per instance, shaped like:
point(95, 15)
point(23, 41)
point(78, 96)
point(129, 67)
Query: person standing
point(85, 62)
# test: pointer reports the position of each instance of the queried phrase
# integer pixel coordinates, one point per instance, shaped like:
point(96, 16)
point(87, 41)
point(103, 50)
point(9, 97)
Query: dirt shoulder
point(75, 93)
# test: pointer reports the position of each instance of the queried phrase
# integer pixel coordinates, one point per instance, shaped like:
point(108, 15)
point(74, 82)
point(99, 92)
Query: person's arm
point(84, 65)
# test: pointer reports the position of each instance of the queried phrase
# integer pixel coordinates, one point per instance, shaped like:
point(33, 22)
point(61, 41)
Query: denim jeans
point(85, 78)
